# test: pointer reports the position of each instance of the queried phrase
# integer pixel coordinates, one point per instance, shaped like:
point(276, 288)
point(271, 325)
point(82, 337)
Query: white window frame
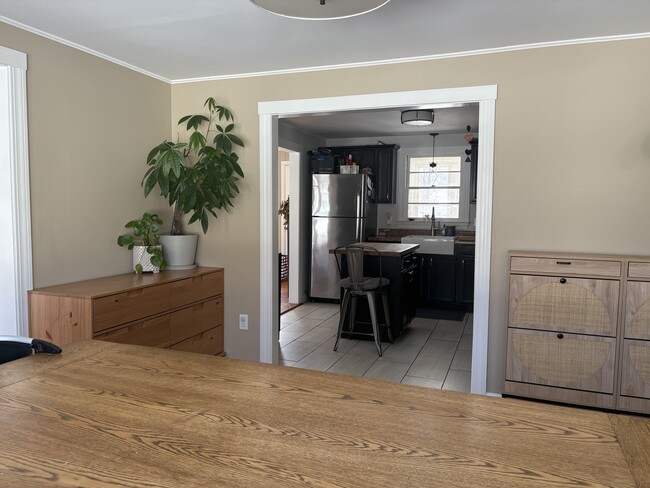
point(402, 181)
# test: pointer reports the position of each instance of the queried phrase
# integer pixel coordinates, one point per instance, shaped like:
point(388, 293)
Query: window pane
point(422, 179)
point(434, 195)
point(448, 164)
point(428, 180)
point(443, 211)
point(420, 165)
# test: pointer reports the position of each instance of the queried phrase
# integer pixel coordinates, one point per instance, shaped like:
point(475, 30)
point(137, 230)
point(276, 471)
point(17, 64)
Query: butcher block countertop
point(391, 249)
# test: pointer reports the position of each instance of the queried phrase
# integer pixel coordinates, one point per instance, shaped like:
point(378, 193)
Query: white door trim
point(15, 63)
point(268, 116)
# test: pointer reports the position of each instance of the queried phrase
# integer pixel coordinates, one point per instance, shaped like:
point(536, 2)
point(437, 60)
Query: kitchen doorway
point(288, 274)
point(269, 112)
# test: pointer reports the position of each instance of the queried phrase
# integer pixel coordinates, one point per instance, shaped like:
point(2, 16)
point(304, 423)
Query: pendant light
point(417, 117)
point(433, 151)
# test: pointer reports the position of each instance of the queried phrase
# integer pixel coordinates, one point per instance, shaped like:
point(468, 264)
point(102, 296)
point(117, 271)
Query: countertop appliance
point(343, 212)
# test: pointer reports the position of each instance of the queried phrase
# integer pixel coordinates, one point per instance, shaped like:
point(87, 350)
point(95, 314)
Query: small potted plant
point(147, 253)
point(197, 177)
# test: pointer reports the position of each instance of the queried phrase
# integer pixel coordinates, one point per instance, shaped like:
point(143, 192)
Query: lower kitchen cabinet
point(564, 339)
point(172, 309)
point(437, 280)
point(465, 266)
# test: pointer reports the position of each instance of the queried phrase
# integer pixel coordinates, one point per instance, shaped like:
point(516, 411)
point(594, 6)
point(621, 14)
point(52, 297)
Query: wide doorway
point(269, 113)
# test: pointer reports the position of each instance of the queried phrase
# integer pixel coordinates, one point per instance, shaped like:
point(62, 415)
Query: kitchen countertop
point(391, 249)
point(396, 239)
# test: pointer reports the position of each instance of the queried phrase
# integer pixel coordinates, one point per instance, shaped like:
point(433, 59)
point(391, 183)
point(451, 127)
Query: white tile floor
point(430, 353)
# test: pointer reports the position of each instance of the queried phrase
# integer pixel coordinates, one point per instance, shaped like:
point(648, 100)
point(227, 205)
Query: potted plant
point(147, 253)
point(197, 177)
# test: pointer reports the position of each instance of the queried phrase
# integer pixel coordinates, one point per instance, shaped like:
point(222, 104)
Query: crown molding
point(416, 59)
point(79, 47)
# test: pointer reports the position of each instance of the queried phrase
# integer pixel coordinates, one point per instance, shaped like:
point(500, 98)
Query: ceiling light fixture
point(417, 117)
point(319, 9)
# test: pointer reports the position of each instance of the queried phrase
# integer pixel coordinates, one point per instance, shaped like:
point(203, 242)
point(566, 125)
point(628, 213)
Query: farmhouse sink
point(431, 244)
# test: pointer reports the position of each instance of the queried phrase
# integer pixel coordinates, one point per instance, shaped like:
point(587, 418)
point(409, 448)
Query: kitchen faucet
point(433, 220)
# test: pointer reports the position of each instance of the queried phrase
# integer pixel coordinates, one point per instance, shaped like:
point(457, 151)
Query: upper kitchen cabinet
point(473, 170)
point(382, 161)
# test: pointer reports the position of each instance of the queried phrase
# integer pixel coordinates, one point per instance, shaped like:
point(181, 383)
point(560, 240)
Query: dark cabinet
point(409, 287)
point(473, 170)
point(465, 274)
point(446, 281)
point(382, 161)
point(437, 280)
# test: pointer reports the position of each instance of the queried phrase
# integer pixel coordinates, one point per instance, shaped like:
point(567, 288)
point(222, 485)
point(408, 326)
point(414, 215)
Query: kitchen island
point(399, 265)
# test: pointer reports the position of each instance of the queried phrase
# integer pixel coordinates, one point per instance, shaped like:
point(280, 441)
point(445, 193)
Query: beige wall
point(571, 162)
point(572, 158)
point(91, 124)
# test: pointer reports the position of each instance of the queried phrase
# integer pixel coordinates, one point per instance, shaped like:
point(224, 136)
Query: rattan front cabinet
point(635, 356)
point(562, 328)
point(176, 309)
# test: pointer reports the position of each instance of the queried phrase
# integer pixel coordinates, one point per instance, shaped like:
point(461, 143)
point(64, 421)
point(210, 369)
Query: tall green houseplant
point(200, 176)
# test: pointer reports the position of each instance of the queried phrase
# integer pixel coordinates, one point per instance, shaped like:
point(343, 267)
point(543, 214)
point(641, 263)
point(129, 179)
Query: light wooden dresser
point(180, 310)
point(578, 329)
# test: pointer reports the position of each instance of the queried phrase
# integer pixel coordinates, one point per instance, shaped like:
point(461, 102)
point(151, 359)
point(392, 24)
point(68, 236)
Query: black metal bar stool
point(357, 285)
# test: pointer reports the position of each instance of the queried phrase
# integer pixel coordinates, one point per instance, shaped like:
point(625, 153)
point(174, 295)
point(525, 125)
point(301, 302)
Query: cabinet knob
point(562, 280)
point(560, 336)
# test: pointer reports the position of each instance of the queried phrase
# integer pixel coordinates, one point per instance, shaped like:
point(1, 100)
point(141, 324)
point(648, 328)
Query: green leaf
point(236, 140)
point(138, 268)
point(195, 121)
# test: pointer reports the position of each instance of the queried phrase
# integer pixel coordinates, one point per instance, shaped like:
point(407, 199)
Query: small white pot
point(179, 251)
point(142, 257)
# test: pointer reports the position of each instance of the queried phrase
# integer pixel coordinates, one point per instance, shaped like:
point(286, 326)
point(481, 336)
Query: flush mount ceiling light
point(319, 9)
point(417, 117)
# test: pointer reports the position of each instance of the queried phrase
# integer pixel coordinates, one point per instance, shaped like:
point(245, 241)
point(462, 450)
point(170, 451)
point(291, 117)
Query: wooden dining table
point(103, 414)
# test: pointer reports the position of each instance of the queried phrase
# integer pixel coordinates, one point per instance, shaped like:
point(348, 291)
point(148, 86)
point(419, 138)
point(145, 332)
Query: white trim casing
point(18, 151)
point(268, 113)
point(483, 241)
point(268, 232)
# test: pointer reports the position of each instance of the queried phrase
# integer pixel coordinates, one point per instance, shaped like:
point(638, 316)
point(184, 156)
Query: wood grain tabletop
point(385, 248)
point(103, 414)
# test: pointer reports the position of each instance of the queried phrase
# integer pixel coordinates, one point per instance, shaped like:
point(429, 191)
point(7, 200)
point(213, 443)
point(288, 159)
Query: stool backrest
point(354, 257)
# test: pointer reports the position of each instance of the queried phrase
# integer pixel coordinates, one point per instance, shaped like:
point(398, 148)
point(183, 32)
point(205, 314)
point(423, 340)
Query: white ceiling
point(182, 40)
point(185, 40)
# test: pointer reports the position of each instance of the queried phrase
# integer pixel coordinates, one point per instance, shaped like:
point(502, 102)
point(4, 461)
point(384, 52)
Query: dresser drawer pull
point(562, 280)
point(560, 336)
point(566, 263)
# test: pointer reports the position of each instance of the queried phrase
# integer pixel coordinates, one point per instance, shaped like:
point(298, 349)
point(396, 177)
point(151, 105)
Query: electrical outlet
point(243, 321)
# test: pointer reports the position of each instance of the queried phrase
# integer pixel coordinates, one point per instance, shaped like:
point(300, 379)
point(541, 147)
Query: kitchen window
point(444, 187)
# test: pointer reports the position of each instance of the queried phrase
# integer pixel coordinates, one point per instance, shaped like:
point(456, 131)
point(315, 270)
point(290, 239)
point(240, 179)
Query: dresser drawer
point(575, 305)
point(565, 267)
point(208, 342)
point(635, 369)
point(128, 306)
point(197, 318)
point(575, 361)
point(197, 288)
point(637, 310)
point(638, 270)
point(152, 332)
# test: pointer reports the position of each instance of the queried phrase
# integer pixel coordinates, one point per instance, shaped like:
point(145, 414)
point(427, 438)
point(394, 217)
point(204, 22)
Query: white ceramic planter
point(179, 251)
point(142, 257)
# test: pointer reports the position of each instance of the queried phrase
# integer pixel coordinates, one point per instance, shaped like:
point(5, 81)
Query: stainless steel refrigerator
point(343, 212)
